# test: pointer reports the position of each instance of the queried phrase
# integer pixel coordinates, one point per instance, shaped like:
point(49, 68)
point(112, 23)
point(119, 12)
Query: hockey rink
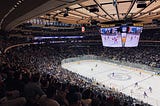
point(122, 78)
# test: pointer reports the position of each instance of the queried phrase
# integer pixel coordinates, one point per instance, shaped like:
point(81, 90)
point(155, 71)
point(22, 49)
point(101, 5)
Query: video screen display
point(122, 36)
point(111, 37)
point(133, 35)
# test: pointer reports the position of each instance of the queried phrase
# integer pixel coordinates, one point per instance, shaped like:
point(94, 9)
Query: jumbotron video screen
point(121, 36)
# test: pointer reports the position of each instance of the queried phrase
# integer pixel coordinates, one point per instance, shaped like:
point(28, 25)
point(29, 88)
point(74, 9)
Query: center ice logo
point(119, 76)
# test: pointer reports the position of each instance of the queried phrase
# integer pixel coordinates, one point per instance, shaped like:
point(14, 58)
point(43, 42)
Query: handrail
point(17, 45)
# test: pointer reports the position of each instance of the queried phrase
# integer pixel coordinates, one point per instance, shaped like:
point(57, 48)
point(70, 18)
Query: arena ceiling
point(107, 10)
point(13, 13)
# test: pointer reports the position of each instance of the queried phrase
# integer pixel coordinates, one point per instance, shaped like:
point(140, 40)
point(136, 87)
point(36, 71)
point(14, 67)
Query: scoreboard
point(121, 35)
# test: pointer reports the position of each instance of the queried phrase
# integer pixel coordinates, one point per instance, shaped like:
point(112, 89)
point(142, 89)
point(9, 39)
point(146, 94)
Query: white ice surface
point(124, 79)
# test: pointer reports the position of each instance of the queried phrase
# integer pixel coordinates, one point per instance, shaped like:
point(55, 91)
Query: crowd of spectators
point(147, 34)
point(142, 55)
point(71, 31)
point(32, 76)
point(150, 34)
point(91, 34)
point(6, 41)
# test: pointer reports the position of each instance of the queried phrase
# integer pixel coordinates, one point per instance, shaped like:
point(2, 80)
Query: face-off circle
point(119, 76)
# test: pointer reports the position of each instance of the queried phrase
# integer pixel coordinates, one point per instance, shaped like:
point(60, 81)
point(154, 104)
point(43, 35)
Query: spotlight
point(15, 6)
point(20, 1)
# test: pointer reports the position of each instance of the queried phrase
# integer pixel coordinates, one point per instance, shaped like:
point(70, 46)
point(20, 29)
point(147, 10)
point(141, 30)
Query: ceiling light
point(114, 2)
point(15, 6)
point(104, 16)
point(20, 1)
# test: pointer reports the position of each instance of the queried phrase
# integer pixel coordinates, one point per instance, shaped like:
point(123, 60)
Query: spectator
point(33, 91)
